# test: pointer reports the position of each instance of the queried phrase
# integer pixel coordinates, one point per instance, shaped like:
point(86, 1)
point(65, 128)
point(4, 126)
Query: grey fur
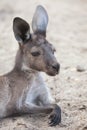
point(23, 89)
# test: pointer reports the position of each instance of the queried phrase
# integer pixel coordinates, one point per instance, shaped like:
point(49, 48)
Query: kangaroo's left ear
point(21, 30)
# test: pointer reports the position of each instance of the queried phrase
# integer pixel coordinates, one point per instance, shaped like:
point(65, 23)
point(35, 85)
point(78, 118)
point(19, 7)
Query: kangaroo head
point(38, 53)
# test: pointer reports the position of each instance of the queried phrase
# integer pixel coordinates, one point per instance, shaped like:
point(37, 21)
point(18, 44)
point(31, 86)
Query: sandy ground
point(67, 30)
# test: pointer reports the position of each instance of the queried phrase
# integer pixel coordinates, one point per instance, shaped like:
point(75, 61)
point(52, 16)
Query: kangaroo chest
point(31, 92)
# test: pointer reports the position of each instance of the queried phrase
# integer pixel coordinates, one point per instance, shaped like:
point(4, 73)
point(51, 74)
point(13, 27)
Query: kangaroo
point(23, 91)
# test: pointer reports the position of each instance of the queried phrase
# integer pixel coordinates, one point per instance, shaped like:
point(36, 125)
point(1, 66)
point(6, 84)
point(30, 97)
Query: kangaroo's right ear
point(21, 30)
point(40, 20)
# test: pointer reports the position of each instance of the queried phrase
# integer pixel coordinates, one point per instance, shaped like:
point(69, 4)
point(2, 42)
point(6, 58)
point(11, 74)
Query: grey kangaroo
point(23, 91)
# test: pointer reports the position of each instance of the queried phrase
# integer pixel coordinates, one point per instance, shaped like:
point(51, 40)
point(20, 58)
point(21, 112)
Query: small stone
point(67, 67)
point(68, 104)
point(80, 68)
point(83, 107)
point(85, 128)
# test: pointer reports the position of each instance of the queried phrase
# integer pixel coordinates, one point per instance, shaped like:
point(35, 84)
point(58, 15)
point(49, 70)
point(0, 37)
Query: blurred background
point(67, 31)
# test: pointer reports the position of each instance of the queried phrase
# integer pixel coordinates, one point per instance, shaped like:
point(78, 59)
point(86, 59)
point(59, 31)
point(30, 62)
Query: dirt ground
point(67, 30)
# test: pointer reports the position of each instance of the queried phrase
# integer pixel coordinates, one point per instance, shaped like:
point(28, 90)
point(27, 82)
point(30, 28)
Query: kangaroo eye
point(35, 53)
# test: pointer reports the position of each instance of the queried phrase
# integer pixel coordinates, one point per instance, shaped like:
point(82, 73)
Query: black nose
point(56, 67)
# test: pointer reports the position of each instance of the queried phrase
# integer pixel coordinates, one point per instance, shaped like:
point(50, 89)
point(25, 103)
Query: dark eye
point(35, 53)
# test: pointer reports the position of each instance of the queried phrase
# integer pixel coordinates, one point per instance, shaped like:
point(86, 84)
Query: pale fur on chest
point(34, 90)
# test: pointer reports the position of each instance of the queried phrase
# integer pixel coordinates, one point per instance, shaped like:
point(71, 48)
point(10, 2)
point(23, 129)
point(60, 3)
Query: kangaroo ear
point(40, 20)
point(21, 30)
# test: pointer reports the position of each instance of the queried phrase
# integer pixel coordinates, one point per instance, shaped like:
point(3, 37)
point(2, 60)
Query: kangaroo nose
point(56, 67)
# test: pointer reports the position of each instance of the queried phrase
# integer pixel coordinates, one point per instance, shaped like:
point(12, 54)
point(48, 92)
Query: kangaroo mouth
point(52, 72)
